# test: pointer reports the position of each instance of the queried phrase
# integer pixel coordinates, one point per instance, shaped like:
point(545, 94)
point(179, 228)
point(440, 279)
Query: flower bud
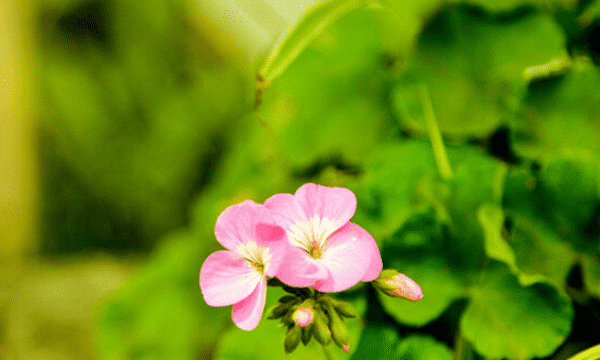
point(321, 331)
point(344, 309)
point(278, 311)
point(286, 299)
point(395, 284)
point(339, 331)
point(307, 334)
point(303, 316)
point(292, 339)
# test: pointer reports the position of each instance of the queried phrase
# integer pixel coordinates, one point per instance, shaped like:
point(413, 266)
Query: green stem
point(439, 151)
point(327, 353)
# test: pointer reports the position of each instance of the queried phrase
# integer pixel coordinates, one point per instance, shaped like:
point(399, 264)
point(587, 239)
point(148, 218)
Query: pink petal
point(226, 278)
point(348, 254)
point(237, 223)
point(246, 314)
point(376, 264)
point(286, 210)
point(274, 238)
point(300, 270)
point(333, 203)
point(267, 233)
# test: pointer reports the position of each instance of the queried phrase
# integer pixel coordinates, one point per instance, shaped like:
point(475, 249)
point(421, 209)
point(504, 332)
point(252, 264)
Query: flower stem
point(439, 151)
point(327, 353)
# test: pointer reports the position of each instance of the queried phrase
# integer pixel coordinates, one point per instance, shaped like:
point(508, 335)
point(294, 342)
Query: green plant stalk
point(327, 353)
point(439, 151)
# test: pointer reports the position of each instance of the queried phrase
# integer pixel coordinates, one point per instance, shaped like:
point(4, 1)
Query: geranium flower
point(237, 276)
point(329, 252)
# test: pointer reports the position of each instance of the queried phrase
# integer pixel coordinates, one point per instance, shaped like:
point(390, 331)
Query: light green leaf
point(506, 320)
point(303, 33)
point(491, 218)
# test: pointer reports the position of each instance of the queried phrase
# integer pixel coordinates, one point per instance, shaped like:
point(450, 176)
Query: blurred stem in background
point(253, 26)
point(18, 170)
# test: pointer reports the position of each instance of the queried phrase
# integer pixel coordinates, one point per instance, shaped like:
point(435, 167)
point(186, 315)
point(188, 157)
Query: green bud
point(321, 331)
point(307, 334)
point(278, 311)
point(288, 318)
point(345, 309)
point(286, 299)
point(339, 331)
point(292, 339)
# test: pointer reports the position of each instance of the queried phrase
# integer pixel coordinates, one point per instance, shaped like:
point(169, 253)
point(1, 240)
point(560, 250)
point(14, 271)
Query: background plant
point(498, 222)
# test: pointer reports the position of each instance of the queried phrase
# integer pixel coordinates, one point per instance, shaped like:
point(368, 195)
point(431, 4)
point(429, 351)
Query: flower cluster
point(304, 242)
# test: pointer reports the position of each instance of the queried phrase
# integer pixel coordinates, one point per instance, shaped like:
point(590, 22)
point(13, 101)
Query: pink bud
point(303, 317)
point(346, 348)
point(404, 287)
point(395, 284)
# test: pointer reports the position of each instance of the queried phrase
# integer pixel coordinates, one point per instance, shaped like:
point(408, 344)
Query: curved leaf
point(295, 40)
point(506, 320)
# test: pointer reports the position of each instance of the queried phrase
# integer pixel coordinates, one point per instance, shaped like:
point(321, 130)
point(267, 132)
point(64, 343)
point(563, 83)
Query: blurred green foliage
point(507, 250)
point(135, 106)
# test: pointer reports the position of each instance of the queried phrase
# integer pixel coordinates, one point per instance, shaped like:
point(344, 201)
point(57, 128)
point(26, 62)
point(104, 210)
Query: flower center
point(314, 250)
point(311, 235)
point(257, 257)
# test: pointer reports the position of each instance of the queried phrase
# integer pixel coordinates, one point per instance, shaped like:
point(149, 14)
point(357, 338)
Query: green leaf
point(590, 264)
point(422, 347)
point(538, 250)
point(339, 113)
point(303, 33)
point(508, 5)
point(560, 114)
point(506, 320)
point(554, 213)
point(474, 70)
point(391, 176)
point(377, 342)
point(491, 218)
point(440, 286)
point(403, 185)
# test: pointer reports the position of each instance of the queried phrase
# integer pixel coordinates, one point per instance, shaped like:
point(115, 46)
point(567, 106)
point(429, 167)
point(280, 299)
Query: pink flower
point(329, 252)
point(237, 276)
